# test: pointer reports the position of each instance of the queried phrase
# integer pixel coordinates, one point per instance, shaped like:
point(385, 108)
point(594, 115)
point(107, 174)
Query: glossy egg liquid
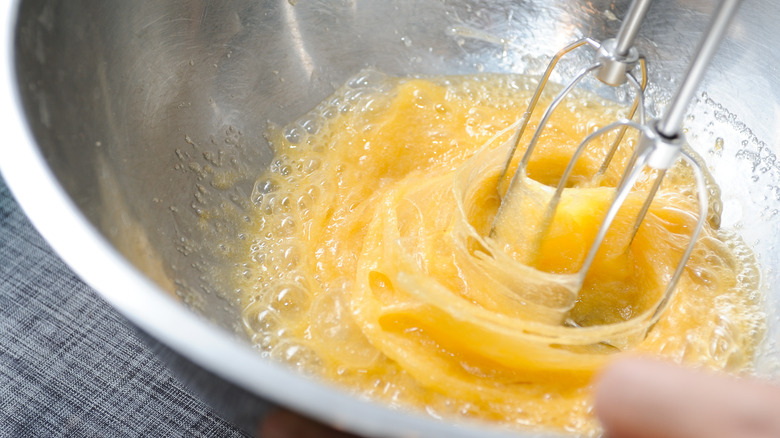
point(375, 259)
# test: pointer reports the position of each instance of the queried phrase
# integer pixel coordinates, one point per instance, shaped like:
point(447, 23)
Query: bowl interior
point(150, 113)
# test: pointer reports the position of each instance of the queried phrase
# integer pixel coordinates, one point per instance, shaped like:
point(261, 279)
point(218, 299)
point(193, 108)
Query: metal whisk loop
point(703, 196)
point(550, 109)
point(538, 93)
point(656, 152)
point(581, 147)
point(639, 102)
point(630, 175)
point(606, 59)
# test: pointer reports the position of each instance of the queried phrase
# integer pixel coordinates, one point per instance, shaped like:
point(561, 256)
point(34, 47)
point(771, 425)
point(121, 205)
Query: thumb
point(650, 399)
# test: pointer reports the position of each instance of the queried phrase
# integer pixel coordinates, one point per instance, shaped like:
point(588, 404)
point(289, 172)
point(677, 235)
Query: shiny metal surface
point(134, 118)
point(670, 124)
point(613, 65)
point(618, 56)
point(631, 24)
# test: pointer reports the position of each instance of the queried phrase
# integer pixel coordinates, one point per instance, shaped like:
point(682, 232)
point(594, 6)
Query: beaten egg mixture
point(376, 260)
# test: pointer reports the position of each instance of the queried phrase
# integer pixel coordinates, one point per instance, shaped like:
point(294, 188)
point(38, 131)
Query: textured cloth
point(72, 366)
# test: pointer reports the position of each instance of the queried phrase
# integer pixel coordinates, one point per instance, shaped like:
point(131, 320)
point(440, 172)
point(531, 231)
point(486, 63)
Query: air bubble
point(298, 278)
point(367, 79)
point(311, 165)
point(285, 204)
point(293, 135)
point(333, 324)
point(289, 301)
point(291, 257)
point(263, 187)
point(353, 95)
point(368, 107)
point(721, 346)
point(305, 203)
point(714, 261)
point(310, 126)
point(259, 319)
point(313, 192)
point(298, 355)
point(705, 277)
point(261, 222)
point(287, 226)
point(267, 204)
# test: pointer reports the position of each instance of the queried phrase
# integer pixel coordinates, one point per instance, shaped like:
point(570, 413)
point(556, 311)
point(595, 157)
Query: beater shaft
point(618, 55)
point(670, 124)
point(630, 27)
point(659, 149)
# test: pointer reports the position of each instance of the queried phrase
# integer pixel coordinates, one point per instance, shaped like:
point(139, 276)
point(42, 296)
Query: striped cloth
point(72, 366)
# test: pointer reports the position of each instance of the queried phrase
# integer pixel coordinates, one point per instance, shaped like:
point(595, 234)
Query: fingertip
point(274, 425)
point(612, 383)
point(632, 393)
point(285, 424)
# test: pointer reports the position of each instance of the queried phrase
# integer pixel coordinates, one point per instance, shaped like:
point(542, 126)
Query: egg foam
point(375, 259)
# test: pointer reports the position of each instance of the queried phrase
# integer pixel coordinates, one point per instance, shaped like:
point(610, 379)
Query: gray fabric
point(69, 364)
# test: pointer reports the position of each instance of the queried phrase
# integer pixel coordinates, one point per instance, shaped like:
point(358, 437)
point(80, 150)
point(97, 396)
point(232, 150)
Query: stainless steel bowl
point(129, 115)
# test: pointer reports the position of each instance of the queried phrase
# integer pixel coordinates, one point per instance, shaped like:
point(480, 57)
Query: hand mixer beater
point(660, 144)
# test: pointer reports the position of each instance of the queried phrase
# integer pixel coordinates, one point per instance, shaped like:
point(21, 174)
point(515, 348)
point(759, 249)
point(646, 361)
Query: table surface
point(70, 365)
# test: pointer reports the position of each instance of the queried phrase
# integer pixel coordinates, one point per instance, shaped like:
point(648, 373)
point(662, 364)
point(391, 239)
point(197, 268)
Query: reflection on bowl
point(145, 115)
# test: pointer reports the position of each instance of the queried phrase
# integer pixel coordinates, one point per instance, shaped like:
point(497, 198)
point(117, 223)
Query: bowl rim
point(49, 208)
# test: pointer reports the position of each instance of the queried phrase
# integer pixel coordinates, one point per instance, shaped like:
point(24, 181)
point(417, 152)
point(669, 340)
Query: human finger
point(638, 398)
point(286, 424)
